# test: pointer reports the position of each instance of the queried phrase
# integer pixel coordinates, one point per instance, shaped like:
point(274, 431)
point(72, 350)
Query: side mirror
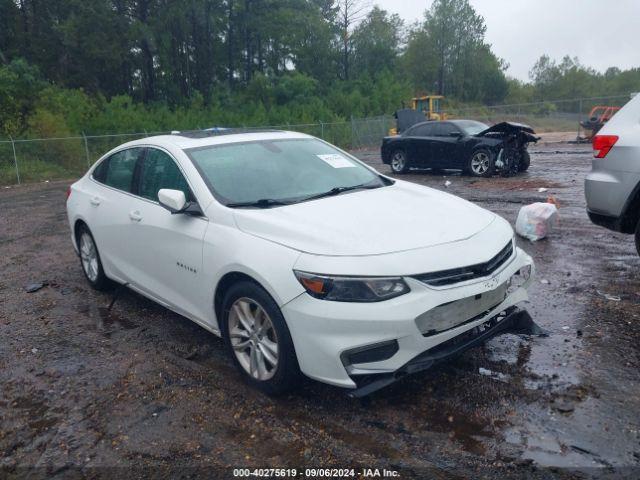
point(172, 200)
point(455, 134)
point(176, 202)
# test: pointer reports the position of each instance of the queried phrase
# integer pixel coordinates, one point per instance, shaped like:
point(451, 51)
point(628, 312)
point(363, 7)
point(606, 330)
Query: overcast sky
point(600, 33)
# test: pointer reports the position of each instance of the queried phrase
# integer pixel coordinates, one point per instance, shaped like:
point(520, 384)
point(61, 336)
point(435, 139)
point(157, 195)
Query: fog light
point(518, 279)
point(525, 272)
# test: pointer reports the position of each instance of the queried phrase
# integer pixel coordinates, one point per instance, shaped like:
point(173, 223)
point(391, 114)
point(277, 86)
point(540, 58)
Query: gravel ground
point(90, 393)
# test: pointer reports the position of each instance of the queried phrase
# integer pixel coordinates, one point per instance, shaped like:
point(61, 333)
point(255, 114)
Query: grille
point(463, 274)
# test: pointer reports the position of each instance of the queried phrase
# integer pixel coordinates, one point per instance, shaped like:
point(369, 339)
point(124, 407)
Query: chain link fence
point(548, 116)
point(40, 159)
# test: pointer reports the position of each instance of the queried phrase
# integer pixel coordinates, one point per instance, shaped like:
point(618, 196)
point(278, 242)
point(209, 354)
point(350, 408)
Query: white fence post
point(15, 158)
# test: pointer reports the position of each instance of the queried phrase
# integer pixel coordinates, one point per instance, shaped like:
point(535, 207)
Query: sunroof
point(214, 132)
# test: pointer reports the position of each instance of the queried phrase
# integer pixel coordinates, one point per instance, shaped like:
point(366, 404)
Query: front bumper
point(323, 331)
point(512, 320)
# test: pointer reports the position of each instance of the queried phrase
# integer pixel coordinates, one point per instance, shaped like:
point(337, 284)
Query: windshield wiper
point(262, 203)
point(338, 190)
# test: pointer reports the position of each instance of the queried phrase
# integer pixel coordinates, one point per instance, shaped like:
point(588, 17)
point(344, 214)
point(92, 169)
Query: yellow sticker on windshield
point(335, 160)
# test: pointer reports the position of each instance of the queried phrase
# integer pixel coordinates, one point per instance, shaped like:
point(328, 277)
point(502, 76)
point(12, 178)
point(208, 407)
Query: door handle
point(135, 216)
point(95, 201)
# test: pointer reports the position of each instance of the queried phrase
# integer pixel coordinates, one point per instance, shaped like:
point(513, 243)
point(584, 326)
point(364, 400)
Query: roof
point(193, 139)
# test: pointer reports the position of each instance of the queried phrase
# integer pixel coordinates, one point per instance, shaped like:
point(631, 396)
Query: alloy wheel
point(480, 163)
point(398, 161)
point(253, 338)
point(89, 256)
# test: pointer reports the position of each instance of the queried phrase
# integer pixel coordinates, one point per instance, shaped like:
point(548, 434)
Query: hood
point(389, 219)
point(507, 128)
point(407, 118)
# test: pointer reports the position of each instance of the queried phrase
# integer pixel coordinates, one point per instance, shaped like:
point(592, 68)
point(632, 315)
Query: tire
point(90, 260)
point(272, 370)
point(399, 163)
point(637, 235)
point(480, 163)
point(525, 161)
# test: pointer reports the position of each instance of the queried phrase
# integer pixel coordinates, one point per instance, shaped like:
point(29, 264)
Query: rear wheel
point(399, 163)
point(481, 163)
point(90, 260)
point(257, 336)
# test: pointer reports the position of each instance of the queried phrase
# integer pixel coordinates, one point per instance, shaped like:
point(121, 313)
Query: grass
point(32, 171)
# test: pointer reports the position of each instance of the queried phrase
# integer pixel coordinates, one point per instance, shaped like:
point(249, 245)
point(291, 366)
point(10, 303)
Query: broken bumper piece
point(513, 320)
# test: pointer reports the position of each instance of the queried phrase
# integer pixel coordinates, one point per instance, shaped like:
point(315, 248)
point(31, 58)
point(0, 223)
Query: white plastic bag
point(535, 221)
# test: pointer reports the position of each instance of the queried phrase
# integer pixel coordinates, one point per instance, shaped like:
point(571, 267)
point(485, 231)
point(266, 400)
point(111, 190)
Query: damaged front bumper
point(351, 344)
point(512, 320)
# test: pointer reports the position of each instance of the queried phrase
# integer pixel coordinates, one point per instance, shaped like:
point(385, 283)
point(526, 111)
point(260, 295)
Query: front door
point(420, 144)
point(167, 247)
point(445, 145)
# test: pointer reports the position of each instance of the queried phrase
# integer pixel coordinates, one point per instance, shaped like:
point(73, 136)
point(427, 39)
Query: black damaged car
point(467, 145)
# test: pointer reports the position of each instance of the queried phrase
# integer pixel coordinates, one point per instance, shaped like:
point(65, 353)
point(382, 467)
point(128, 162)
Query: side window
point(117, 170)
point(442, 129)
point(101, 170)
point(425, 130)
point(160, 171)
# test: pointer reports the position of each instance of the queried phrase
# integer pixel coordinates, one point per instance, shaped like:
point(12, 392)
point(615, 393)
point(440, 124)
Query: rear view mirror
point(172, 200)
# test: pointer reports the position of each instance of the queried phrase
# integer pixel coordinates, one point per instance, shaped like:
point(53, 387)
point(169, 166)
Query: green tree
point(377, 42)
point(20, 85)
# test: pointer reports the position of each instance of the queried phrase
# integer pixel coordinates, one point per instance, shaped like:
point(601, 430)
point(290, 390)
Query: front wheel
point(257, 336)
point(399, 163)
point(481, 163)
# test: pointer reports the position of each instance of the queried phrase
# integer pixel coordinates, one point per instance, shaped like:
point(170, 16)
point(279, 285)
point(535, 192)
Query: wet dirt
point(83, 387)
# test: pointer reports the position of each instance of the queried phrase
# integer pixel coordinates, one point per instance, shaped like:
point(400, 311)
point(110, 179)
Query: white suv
point(612, 188)
point(300, 256)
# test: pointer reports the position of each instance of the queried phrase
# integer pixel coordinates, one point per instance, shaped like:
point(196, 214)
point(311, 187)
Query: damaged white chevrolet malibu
point(304, 259)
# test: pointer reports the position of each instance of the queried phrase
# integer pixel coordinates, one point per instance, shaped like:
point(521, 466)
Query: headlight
point(352, 289)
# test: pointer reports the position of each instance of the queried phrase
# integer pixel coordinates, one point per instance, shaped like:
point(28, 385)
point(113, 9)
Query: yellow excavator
point(426, 107)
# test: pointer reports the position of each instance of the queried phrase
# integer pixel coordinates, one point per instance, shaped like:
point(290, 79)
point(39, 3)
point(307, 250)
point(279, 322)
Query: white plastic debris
point(542, 190)
point(495, 375)
point(535, 221)
point(608, 296)
point(447, 183)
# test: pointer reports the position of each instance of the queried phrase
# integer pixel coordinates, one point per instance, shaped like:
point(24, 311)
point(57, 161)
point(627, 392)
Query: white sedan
point(304, 259)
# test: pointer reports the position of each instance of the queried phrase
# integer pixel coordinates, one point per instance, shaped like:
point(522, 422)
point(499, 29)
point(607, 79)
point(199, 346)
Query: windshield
point(273, 172)
point(471, 127)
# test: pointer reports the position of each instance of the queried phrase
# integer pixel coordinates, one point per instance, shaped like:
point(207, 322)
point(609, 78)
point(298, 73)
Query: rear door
point(107, 214)
point(166, 248)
